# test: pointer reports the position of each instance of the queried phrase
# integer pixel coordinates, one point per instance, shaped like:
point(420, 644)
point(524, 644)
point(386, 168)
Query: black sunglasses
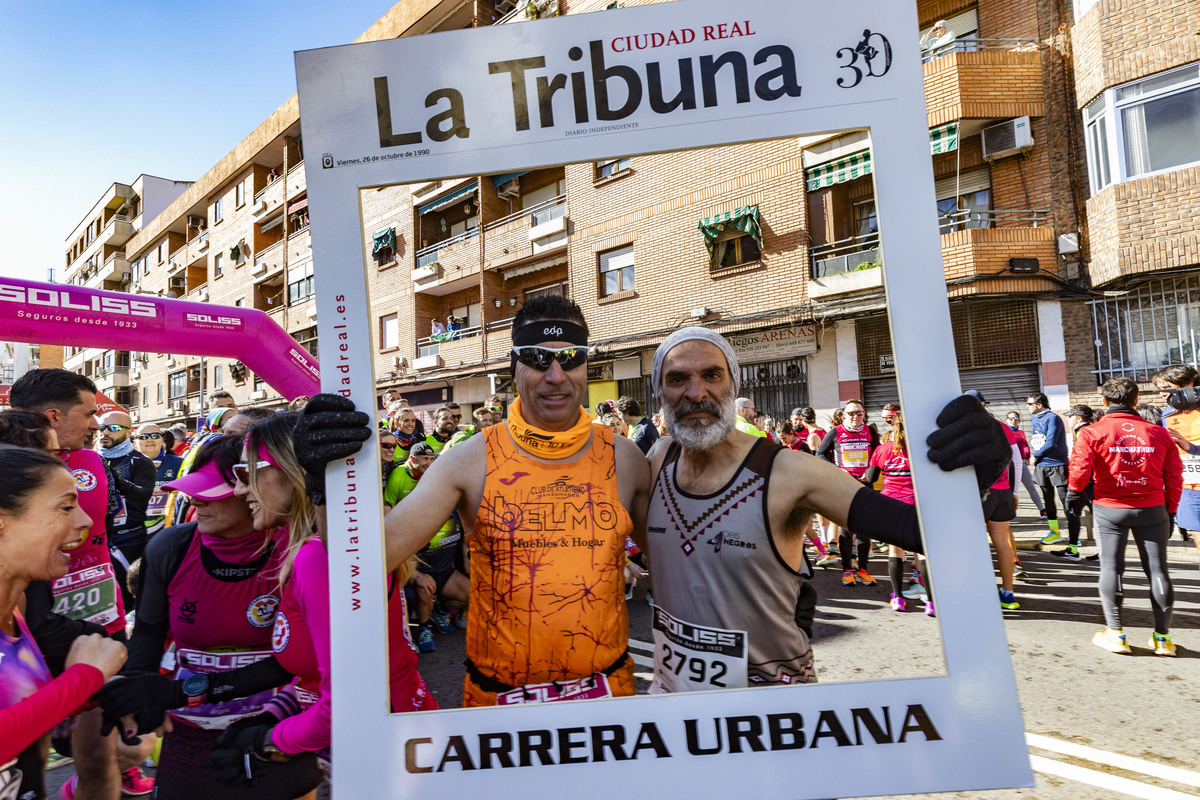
point(141, 437)
point(540, 358)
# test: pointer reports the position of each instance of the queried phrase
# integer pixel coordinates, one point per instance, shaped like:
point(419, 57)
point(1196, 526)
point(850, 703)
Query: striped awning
point(507, 176)
point(445, 200)
point(744, 219)
point(944, 138)
point(382, 239)
point(838, 171)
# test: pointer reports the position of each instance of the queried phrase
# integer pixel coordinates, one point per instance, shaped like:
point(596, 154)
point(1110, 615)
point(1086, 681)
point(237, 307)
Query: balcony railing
point(500, 325)
point(971, 45)
point(968, 218)
point(542, 212)
point(844, 255)
point(428, 255)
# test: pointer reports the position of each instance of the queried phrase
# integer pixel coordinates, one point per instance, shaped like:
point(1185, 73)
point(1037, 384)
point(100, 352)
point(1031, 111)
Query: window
point(240, 302)
point(389, 332)
point(1143, 331)
point(606, 168)
point(559, 289)
point(218, 377)
point(239, 194)
point(307, 339)
point(1146, 126)
point(616, 271)
point(145, 396)
point(300, 283)
point(735, 247)
point(217, 213)
point(217, 265)
point(956, 213)
point(865, 220)
point(176, 385)
point(259, 384)
point(160, 392)
point(162, 249)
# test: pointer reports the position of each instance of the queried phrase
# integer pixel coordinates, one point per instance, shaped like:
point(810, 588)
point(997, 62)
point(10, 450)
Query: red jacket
point(1135, 464)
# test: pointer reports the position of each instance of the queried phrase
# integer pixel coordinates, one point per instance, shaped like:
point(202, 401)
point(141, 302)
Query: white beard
point(697, 435)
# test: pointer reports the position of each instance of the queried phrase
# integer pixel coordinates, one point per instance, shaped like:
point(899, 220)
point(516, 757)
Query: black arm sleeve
point(825, 449)
point(247, 680)
point(871, 475)
point(52, 632)
point(878, 517)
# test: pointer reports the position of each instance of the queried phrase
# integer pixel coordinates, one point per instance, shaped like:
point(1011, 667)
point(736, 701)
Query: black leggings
point(1150, 528)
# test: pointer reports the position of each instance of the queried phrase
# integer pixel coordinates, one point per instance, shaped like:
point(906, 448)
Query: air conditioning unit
point(258, 394)
point(195, 222)
point(1007, 139)
point(180, 406)
point(203, 294)
point(194, 374)
point(136, 373)
point(171, 361)
point(178, 283)
point(509, 189)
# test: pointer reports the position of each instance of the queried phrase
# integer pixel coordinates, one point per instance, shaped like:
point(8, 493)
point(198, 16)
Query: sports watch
point(195, 688)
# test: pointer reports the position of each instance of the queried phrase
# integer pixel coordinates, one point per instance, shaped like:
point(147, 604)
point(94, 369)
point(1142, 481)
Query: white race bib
point(1191, 468)
point(694, 658)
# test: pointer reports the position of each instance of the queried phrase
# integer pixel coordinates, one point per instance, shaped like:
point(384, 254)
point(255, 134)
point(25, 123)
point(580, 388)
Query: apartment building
point(1064, 214)
point(96, 257)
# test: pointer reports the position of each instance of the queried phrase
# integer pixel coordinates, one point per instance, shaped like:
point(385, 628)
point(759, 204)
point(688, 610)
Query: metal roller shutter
point(877, 393)
point(966, 182)
point(1004, 387)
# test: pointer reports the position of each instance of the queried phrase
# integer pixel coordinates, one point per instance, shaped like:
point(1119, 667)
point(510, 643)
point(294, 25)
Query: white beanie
point(687, 334)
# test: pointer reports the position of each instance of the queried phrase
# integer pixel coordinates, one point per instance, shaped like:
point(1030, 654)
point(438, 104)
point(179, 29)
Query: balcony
point(979, 244)
point(114, 268)
point(449, 265)
point(268, 261)
point(464, 346)
point(845, 255)
point(984, 79)
point(112, 378)
point(531, 231)
point(200, 243)
point(117, 231)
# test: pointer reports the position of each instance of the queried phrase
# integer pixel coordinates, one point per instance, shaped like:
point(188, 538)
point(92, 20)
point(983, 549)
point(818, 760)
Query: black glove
point(247, 736)
point(147, 697)
point(1076, 502)
point(968, 436)
point(328, 430)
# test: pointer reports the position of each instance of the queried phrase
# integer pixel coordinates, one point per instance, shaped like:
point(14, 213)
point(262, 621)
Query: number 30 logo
point(870, 58)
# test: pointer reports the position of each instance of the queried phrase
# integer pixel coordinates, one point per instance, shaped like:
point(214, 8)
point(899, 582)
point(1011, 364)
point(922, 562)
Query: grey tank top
point(713, 563)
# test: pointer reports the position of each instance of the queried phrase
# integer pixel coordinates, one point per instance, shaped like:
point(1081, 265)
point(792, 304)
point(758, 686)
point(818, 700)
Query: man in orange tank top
point(547, 499)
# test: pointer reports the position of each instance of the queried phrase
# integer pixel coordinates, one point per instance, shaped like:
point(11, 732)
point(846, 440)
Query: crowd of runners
point(167, 596)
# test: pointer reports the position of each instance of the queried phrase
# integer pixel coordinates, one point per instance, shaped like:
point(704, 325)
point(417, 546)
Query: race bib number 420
point(90, 594)
point(694, 658)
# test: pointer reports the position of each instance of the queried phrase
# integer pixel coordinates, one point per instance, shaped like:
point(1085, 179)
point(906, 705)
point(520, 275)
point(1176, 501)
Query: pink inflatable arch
point(54, 313)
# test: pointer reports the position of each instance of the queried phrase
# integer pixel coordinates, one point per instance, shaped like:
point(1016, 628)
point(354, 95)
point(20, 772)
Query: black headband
point(549, 330)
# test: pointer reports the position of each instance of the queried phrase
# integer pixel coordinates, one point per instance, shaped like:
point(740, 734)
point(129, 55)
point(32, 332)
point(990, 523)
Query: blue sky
point(92, 93)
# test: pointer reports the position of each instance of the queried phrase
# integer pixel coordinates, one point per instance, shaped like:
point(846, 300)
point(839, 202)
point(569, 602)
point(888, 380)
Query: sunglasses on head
point(540, 358)
point(241, 471)
point(114, 428)
point(141, 437)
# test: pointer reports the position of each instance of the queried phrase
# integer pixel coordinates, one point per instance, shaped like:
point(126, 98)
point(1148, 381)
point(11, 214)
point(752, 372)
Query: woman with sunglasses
point(39, 516)
point(209, 590)
point(295, 725)
point(273, 482)
point(849, 445)
point(1013, 421)
point(387, 454)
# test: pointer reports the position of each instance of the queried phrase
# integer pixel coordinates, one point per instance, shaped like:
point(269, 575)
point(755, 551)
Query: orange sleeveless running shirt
point(548, 569)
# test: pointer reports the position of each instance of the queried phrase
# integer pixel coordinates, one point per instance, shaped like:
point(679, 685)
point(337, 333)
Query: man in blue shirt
point(1049, 457)
point(641, 430)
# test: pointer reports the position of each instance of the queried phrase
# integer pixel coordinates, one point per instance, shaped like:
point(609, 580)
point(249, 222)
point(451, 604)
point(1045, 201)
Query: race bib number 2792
point(695, 658)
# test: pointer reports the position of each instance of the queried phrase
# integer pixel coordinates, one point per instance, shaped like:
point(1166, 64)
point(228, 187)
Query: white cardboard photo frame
point(857, 66)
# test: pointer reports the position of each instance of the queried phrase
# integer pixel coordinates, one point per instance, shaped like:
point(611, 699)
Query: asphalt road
point(1099, 725)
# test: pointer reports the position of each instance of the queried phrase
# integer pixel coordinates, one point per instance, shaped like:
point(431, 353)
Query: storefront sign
point(575, 89)
point(600, 372)
point(772, 345)
point(887, 364)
